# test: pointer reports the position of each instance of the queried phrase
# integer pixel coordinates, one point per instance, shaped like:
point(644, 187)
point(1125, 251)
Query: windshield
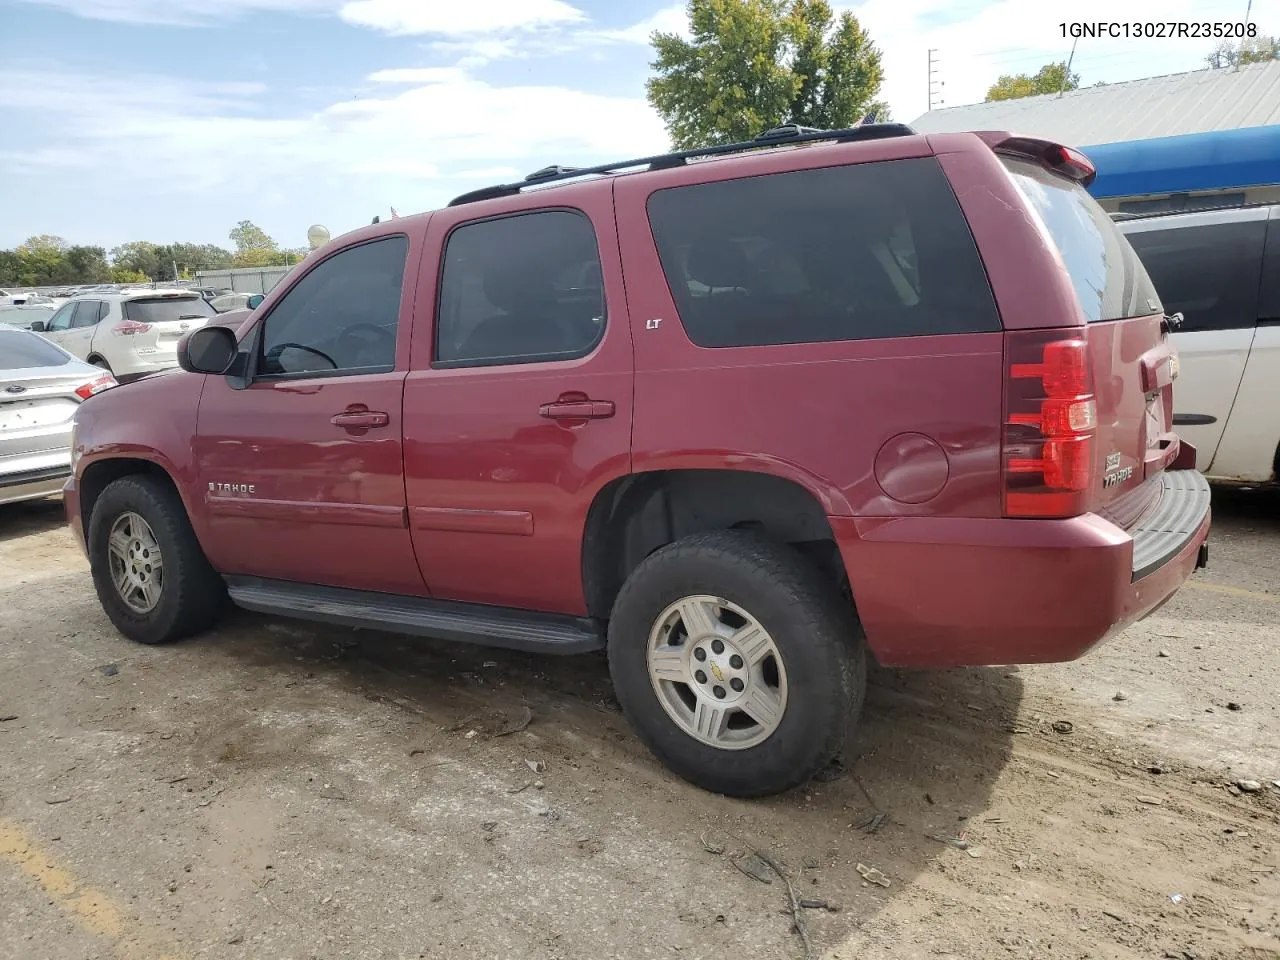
point(19, 350)
point(24, 316)
point(167, 309)
point(1109, 279)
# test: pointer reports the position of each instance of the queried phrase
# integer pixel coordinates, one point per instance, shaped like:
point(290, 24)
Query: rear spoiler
point(1067, 161)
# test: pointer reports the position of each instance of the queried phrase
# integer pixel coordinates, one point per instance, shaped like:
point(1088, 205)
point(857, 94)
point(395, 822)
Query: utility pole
point(1066, 74)
point(1248, 11)
point(933, 69)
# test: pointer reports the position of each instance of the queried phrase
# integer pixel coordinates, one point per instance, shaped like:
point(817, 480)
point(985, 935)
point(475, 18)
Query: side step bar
point(420, 616)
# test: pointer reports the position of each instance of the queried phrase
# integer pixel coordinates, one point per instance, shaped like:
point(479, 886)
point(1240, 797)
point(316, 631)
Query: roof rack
point(778, 136)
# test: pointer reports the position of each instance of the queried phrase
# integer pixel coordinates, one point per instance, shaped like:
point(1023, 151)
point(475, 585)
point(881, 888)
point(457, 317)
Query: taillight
point(1073, 163)
point(1051, 423)
point(87, 390)
point(130, 328)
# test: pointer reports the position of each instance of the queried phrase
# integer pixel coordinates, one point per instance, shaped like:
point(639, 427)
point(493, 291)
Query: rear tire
point(151, 576)
point(758, 696)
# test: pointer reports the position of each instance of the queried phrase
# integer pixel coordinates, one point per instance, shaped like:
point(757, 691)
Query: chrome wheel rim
point(137, 569)
point(717, 672)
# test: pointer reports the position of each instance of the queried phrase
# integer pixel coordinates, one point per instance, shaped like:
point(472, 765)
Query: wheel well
point(640, 513)
point(97, 476)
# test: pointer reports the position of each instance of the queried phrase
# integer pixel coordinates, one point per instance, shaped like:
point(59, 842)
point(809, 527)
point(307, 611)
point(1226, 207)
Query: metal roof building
point(1179, 142)
point(1135, 110)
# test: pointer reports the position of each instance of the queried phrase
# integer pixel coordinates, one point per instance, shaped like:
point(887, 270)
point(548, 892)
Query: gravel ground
point(280, 790)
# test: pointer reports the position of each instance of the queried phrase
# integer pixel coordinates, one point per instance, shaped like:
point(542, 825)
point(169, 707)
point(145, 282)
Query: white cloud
point(414, 145)
point(408, 17)
point(182, 12)
point(1017, 36)
point(674, 19)
point(419, 75)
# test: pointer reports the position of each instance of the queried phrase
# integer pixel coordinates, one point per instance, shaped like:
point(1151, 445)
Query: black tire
point(813, 628)
point(192, 594)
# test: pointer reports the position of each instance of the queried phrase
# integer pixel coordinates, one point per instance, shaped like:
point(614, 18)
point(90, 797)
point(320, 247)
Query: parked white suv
point(1221, 270)
point(132, 333)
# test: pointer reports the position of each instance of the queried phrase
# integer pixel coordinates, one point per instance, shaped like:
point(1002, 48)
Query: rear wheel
point(737, 663)
point(151, 576)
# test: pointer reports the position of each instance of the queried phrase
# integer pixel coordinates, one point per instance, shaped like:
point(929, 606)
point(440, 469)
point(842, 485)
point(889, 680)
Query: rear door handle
point(577, 410)
point(360, 419)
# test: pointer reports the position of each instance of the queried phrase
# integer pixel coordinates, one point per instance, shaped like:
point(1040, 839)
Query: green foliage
point(1048, 79)
point(755, 64)
point(1254, 50)
point(49, 261)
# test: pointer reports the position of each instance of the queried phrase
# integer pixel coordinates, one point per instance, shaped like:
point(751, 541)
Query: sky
point(171, 120)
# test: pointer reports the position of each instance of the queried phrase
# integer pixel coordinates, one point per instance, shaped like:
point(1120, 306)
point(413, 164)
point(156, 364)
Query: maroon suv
point(736, 414)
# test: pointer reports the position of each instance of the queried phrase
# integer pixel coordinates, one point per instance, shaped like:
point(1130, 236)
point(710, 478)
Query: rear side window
point(21, 350)
point(1109, 279)
point(840, 253)
point(520, 289)
point(167, 309)
point(1208, 272)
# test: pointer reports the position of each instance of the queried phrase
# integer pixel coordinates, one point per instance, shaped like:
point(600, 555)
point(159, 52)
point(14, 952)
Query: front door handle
point(360, 419)
point(577, 410)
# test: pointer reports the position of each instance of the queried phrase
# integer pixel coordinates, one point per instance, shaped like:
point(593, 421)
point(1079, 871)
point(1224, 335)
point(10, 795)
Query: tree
point(139, 256)
point(1254, 50)
point(1048, 79)
point(125, 275)
point(756, 64)
point(44, 243)
point(86, 265)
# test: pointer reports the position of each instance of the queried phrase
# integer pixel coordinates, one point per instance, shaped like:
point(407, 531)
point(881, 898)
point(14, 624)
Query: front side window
point(1208, 272)
point(343, 316)
point(520, 289)
point(838, 253)
point(62, 319)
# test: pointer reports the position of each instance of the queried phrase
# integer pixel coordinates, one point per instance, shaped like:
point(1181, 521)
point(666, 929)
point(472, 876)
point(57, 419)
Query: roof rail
point(778, 136)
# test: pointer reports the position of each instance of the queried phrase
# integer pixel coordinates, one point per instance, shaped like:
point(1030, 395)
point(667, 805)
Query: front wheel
point(151, 576)
point(737, 663)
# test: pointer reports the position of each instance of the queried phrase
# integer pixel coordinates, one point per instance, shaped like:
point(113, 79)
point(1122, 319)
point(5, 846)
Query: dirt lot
point(278, 790)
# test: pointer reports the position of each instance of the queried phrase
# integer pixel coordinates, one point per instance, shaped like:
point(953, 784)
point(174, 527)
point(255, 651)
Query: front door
point(59, 325)
point(518, 408)
point(301, 468)
point(78, 341)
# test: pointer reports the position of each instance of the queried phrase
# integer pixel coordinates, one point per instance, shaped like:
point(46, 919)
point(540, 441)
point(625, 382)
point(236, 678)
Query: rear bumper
point(33, 484)
point(940, 592)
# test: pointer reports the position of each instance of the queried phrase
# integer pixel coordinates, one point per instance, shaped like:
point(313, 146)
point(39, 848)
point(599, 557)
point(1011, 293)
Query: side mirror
point(253, 302)
point(37, 326)
point(208, 350)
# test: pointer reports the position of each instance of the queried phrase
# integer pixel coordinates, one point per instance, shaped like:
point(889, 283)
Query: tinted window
point(1208, 272)
point(20, 349)
point(62, 319)
point(167, 309)
point(1109, 280)
point(1269, 294)
point(87, 313)
point(842, 253)
point(520, 289)
point(343, 315)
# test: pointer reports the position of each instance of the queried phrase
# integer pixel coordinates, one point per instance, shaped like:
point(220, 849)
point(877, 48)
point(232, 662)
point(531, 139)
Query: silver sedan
point(41, 386)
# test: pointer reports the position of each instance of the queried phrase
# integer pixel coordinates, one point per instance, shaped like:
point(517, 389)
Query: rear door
point(1132, 362)
point(518, 408)
point(1206, 266)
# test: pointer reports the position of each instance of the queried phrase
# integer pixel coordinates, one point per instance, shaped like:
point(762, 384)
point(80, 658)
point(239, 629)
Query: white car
point(130, 334)
point(1221, 270)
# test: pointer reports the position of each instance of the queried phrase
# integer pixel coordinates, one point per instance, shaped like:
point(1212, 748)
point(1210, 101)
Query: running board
point(420, 616)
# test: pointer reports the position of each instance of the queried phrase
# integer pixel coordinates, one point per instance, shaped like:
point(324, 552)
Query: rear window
point(1109, 279)
point(161, 310)
point(840, 253)
point(21, 350)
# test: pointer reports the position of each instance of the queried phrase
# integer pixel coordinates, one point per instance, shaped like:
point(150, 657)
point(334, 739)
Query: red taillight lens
point(130, 328)
point(87, 390)
point(1050, 425)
